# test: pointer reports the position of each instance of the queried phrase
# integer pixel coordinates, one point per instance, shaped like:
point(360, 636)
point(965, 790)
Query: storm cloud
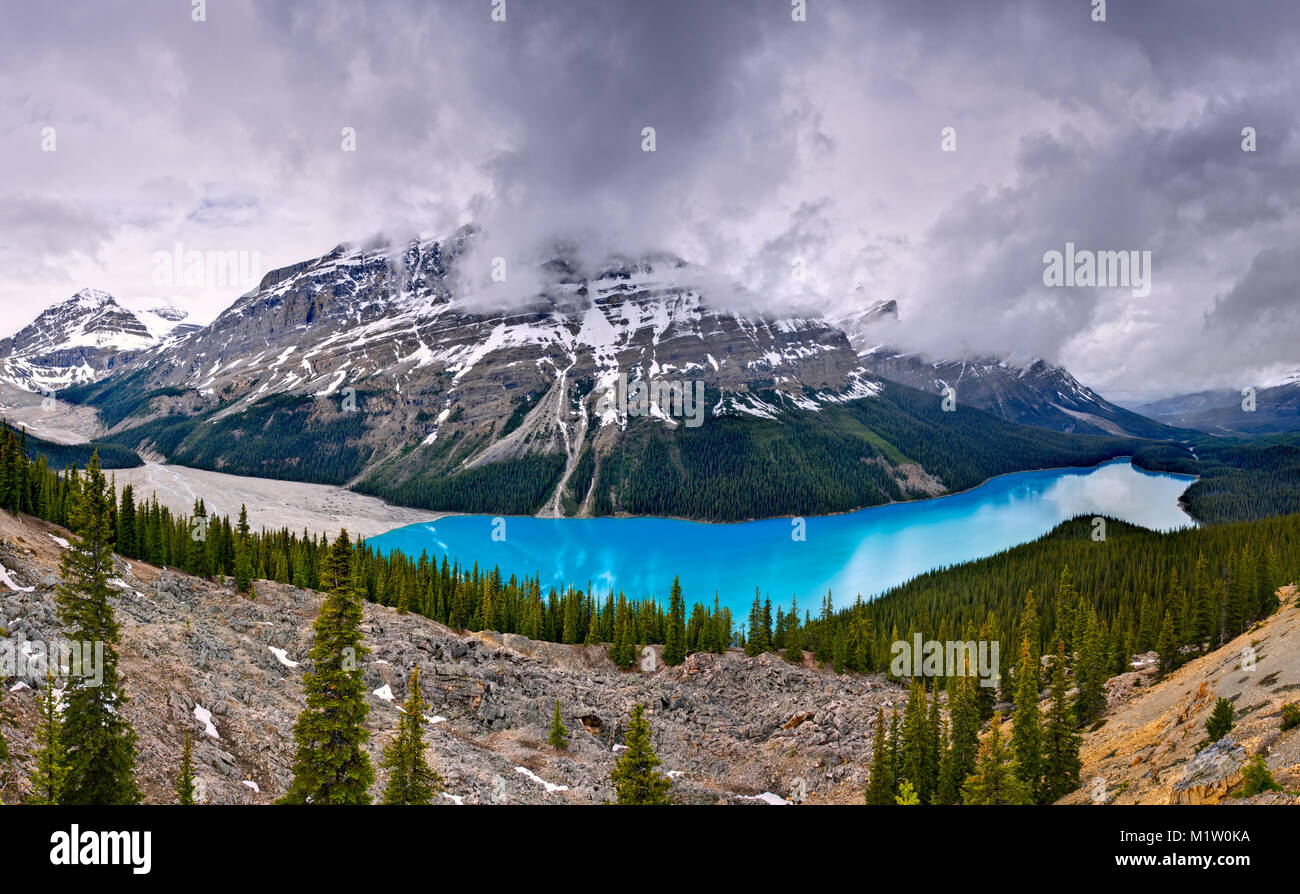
point(779, 145)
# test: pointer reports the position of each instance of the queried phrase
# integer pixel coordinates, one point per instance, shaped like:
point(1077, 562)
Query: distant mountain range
point(1275, 409)
point(376, 368)
point(1035, 393)
point(84, 339)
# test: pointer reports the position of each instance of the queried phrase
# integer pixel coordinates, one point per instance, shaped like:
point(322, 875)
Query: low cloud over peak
point(801, 163)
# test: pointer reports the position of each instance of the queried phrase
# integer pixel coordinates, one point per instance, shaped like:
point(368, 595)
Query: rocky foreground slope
point(727, 727)
point(1146, 752)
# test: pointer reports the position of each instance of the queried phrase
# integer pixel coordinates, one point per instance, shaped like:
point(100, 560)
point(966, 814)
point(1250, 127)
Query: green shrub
point(1257, 778)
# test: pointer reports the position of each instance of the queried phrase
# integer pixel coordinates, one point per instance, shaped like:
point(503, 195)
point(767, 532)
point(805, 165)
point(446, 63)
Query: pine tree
point(126, 544)
point(675, 642)
point(793, 636)
point(196, 557)
point(1061, 764)
point(410, 778)
point(1203, 603)
point(623, 652)
point(995, 780)
point(824, 650)
point(1091, 672)
point(1256, 777)
point(559, 737)
point(331, 765)
point(963, 746)
point(840, 651)
point(895, 746)
point(880, 786)
point(986, 696)
point(1220, 721)
point(906, 794)
point(185, 778)
point(51, 759)
point(98, 741)
point(243, 553)
point(1026, 723)
point(635, 779)
point(915, 741)
point(756, 643)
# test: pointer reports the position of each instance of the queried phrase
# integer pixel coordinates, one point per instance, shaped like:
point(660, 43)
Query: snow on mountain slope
point(444, 381)
point(75, 341)
point(353, 318)
point(166, 323)
point(1032, 393)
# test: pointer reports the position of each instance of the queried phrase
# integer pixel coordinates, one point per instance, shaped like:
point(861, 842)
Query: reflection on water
point(862, 552)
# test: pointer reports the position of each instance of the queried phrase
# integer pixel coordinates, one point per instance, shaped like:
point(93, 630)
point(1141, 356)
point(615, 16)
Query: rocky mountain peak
point(77, 340)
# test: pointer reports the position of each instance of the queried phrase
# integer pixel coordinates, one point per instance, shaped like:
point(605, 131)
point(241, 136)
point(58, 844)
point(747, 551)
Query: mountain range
point(380, 368)
point(1034, 393)
point(1269, 410)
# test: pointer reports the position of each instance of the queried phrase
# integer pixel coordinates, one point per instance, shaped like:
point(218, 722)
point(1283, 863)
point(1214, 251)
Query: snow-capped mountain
point(75, 341)
point(386, 369)
point(443, 383)
point(362, 319)
point(1034, 393)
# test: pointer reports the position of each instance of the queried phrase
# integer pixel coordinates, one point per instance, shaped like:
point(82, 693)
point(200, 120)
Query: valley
point(376, 369)
point(319, 508)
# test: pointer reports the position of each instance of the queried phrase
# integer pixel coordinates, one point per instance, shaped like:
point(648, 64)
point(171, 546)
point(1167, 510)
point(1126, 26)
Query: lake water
point(865, 552)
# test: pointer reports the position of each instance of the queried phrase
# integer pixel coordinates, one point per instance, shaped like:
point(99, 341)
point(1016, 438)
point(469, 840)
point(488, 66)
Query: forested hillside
point(835, 460)
point(111, 456)
point(1194, 587)
point(1239, 478)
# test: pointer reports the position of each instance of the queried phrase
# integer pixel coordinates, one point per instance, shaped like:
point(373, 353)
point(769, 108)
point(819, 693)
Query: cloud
point(775, 141)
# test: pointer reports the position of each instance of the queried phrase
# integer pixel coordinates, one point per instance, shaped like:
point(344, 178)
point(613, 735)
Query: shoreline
point(745, 521)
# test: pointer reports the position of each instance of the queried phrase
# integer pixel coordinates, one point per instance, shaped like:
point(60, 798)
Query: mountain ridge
point(384, 368)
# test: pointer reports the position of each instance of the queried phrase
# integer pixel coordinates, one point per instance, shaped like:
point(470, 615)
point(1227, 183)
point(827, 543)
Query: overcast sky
point(775, 140)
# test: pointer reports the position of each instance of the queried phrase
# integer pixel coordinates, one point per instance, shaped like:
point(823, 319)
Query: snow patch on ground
point(59, 540)
point(550, 786)
point(385, 692)
point(9, 582)
point(204, 716)
point(766, 798)
point(283, 657)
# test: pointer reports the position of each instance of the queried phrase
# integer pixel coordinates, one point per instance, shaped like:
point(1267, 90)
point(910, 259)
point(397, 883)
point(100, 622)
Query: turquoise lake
point(865, 552)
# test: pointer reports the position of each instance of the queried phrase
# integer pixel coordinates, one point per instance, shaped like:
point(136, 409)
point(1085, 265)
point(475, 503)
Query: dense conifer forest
point(1238, 478)
point(1201, 585)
